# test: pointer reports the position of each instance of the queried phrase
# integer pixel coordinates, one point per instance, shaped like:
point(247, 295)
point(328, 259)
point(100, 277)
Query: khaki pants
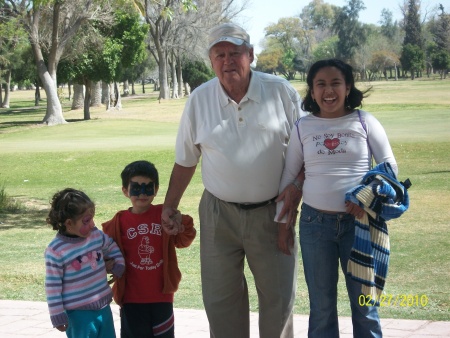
point(228, 235)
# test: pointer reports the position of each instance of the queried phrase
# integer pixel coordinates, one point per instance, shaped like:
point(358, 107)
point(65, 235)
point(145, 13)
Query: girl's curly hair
point(68, 204)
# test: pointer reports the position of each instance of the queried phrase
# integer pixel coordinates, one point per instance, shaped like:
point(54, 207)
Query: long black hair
point(355, 96)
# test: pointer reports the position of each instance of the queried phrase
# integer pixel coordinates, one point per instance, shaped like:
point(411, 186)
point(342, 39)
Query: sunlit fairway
point(37, 160)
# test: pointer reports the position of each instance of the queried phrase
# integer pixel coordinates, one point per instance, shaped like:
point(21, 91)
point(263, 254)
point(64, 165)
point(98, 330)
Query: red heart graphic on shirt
point(331, 143)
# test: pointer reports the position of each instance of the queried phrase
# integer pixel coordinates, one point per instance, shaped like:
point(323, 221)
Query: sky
point(261, 13)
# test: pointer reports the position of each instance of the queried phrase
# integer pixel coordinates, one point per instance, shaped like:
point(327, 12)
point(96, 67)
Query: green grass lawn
point(36, 161)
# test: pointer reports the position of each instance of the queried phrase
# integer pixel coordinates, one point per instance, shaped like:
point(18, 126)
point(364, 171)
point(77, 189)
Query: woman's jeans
point(326, 239)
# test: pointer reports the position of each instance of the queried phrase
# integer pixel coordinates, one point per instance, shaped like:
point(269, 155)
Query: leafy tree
point(412, 59)
point(51, 25)
point(318, 15)
point(107, 51)
point(413, 27)
point(389, 27)
point(13, 44)
point(349, 30)
point(326, 49)
point(159, 16)
point(441, 61)
point(268, 61)
point(197, 72)
point(384, 60)
point(413, 56)
point(442, 31)
point(292, 39)
point(287, 66)
point(130, 32)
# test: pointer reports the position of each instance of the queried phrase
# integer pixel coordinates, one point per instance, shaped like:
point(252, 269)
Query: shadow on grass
point(23, 213)
point(436, 172)
point(22, 111)
point(10, 124)
point(24, 219)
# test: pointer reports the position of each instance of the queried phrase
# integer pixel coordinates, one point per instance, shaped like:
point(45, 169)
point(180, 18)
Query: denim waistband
point(329, 215)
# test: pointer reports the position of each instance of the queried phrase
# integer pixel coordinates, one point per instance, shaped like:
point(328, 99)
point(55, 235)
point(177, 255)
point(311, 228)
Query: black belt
point(255, 205)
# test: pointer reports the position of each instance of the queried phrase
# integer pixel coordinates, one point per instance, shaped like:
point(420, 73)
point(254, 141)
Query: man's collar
point(253, 92)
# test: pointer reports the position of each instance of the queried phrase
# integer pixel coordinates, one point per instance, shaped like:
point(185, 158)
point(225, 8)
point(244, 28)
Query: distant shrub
point(197, 72)
point(8, 204)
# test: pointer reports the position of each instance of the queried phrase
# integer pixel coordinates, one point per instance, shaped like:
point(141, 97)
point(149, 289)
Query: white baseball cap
point(228, 32)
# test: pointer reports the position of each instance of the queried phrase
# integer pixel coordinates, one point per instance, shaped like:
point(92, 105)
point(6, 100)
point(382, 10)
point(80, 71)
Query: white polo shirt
point(242, 144)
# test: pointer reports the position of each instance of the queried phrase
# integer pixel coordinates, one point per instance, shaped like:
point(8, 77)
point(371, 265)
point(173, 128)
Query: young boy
point(145, 292)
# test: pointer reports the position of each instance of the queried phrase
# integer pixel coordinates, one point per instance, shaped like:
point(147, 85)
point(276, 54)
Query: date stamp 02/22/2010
point(404, 300)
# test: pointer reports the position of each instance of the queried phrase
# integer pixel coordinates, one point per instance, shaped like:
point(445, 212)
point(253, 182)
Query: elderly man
point(239, 123)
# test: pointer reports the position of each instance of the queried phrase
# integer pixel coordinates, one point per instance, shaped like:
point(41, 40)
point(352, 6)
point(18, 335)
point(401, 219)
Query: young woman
point(335, 144)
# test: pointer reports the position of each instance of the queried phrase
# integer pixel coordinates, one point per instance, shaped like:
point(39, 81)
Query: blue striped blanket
point(383, 198)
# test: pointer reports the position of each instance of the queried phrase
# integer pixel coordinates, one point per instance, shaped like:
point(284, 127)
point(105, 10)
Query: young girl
point(78, 294)
point(335, 144)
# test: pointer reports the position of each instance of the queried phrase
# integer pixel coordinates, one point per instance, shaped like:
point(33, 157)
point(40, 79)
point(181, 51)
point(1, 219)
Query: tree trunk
point(180, 79)
point(164, 92)
point(53, 114)
point(96, 94)
point(78, 96)
point(37, 95)
point(69, 87)
point(174, 77)
point(143, 86)
point(118, 98)
point(126, 88)
point(106, 95)
point(133, 92)
point(106, 100)
point(5, 103)
point(87, 99)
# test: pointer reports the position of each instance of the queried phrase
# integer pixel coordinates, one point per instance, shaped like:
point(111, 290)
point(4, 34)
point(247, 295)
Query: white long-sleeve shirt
point(336, 155)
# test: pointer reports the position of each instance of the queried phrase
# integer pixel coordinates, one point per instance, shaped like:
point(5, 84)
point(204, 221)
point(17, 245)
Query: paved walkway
point(30, 319)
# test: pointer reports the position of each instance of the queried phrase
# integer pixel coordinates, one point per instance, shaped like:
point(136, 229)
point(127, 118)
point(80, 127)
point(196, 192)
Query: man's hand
point(285, 238)
point(171, 221)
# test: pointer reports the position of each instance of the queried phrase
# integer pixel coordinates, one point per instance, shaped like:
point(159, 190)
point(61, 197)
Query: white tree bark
point(187, 89)
point(180, 78)
point(5, 103)
point(126, 88)
point(173, 70)
point(96, 94)
point(118, 98)
point(106, 100)
point(78, 96)
point(60, 21)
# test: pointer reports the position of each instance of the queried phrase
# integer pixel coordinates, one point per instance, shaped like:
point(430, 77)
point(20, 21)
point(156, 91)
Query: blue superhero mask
point(137, 189)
